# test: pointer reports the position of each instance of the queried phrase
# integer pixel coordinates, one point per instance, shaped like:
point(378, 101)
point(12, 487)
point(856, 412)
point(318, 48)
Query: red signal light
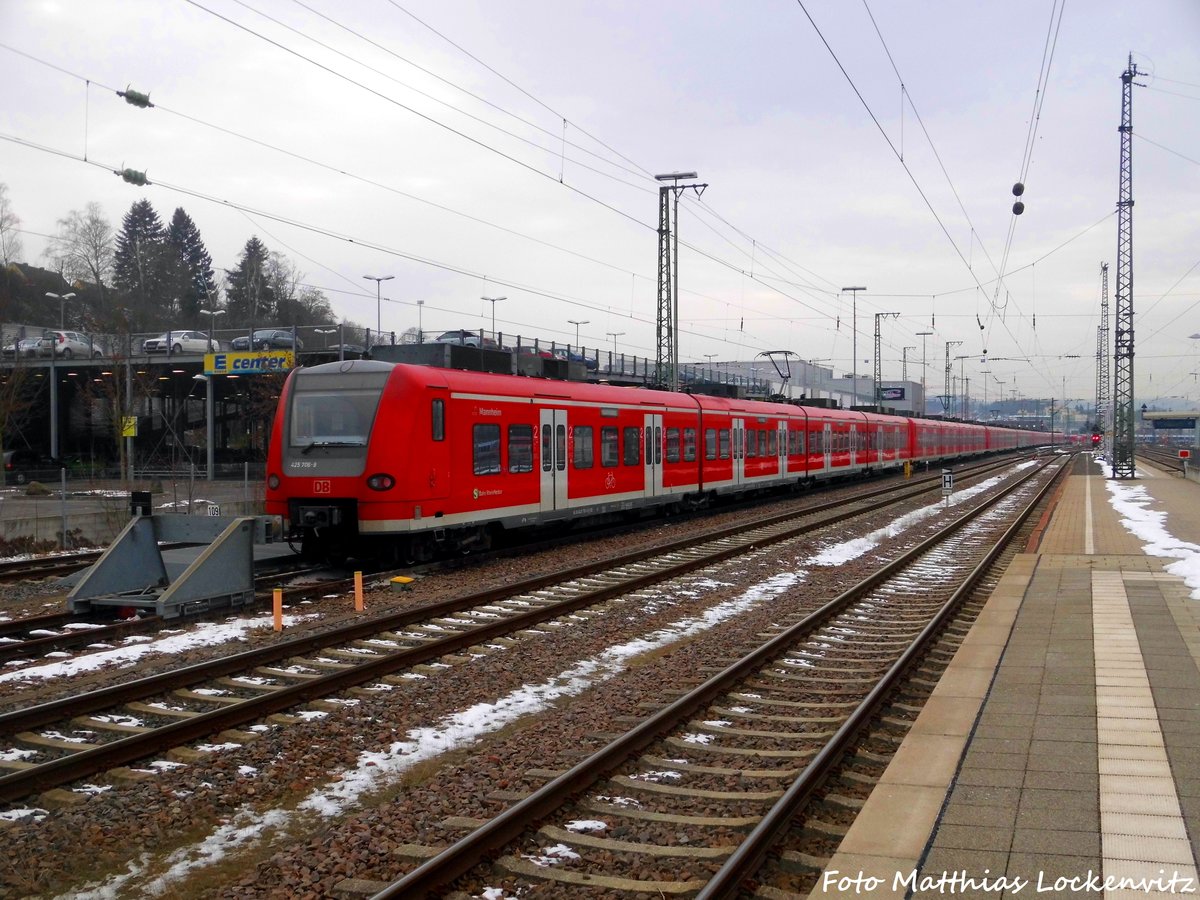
point(1095, 439)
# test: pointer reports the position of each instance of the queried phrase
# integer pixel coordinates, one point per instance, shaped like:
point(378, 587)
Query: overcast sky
point(425, 140)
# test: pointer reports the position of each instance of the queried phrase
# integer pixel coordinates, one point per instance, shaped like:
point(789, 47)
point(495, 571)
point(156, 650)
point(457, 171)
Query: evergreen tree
point(250, 298)
point(191, 272)
point(140, 265)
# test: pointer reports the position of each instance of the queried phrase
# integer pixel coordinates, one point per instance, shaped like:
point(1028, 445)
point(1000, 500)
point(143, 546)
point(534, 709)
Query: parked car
point(526, 350)
point(23, 347)
point(24, 466)
point(68, 345)
point(464, 337)
point(180, 342)
point(268, 339)
point(571, 356)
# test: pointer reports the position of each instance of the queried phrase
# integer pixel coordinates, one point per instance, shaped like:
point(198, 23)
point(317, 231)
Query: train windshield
point(333, 415)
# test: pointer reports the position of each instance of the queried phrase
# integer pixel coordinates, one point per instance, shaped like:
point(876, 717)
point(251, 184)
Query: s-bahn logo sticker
point(249, 363)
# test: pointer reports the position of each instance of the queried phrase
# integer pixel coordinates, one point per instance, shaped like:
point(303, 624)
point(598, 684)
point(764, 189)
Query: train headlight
point(381, 482)
point(273, 481)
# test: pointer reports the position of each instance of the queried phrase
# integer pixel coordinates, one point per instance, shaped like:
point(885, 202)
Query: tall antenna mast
point(1123, 423)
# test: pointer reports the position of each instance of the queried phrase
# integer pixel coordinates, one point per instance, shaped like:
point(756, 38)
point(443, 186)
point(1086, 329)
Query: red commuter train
point(375, 459)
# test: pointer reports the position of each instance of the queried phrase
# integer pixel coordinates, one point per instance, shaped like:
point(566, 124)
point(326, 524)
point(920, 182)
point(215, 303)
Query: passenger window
point(633, 443)
point(520, 448)
point(762, 442)
point(486, 441)
point(724, 439)
point(609, 446)
point(560, 447)
point(546, 448)
point(582, 435)
point(672, 445)
point(658, 445)
point(689, 445)
point(772, 448)
point(751, 443)
point(710, 443)
point(439, 420)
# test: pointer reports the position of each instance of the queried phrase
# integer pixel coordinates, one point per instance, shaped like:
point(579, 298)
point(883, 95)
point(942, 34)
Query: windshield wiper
point(316, 444)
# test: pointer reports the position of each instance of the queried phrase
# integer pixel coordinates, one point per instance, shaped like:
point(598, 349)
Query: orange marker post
point(278, 609)
point(358, 592)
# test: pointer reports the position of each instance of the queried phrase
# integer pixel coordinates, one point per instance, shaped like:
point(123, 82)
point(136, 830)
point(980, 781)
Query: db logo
point(323, 486)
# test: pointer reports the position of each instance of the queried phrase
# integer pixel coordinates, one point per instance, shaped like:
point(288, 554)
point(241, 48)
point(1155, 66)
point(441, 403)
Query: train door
point(554, 459)
point(828, 435)
point(782, 446)
point(739, 451)
point(652, 461)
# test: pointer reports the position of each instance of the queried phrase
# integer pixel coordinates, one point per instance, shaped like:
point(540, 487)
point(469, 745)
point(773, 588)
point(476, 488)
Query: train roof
point(524, 387)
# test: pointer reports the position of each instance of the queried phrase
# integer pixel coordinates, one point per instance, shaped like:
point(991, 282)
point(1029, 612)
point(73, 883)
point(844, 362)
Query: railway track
point(718, 779)
point(42, 567)
point(94, 732)
point(33, 636)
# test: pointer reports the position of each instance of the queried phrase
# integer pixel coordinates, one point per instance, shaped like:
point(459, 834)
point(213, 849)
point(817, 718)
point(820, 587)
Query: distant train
point(374, 459)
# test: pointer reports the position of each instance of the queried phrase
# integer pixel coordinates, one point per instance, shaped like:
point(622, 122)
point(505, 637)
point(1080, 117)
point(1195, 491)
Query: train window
point(710, 443)
point(751, 443)
point(560, 448)
point(724, 440)
point(672, 445)
point(772, 447)
point(438, 409)
point(583, 451)
point(764, 442)
point(520, 448)
point(633, 446)
point(486, 445)
point(689, 445)
point(331, 418)
point(658, 445)
point(610, 446)
point(546, 455)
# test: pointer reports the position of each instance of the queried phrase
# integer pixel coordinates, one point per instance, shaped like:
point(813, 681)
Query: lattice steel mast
point(1102, 368)
point(1123, 422)
point(666, 371)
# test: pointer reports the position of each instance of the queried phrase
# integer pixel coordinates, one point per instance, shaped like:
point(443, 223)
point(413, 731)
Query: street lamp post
point(378, 300)
point(420, 318)
point(493, 301)
point(62, 318)
point(62, 306)
point(854, 342)
point(577, 323)
point(212, 325)
point(614, 335)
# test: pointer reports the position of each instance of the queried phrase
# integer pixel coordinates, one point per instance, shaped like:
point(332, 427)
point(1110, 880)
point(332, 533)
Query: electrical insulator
point(1018, 189)
point(133, 177)
point(1018, 208)
point(135, 98)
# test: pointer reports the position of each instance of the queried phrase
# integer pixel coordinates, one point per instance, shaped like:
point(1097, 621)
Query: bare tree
point(10, 240)
point(83, 248)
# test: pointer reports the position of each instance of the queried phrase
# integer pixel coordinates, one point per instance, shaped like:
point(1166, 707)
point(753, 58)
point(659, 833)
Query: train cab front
point(320, 449)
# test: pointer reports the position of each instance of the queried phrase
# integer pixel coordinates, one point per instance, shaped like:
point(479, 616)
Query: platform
point(1060, 752)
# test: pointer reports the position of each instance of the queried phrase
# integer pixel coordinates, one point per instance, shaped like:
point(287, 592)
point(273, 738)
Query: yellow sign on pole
point(128, 426)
